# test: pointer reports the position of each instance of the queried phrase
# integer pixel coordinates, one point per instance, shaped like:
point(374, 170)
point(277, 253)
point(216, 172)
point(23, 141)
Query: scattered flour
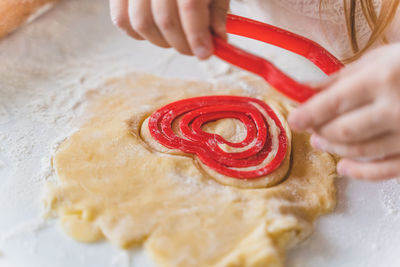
point(16, 146)
point(390, 197)
point(25, 231)
point(4, 116)
point(122, 259)
point(46, 72)
point(218, 68)
point(26, 228)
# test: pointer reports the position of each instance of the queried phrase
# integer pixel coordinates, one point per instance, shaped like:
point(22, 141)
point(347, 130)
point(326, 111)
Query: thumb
point(218, 12)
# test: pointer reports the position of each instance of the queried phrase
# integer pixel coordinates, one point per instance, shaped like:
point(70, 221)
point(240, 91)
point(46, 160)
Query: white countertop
point(46, 67)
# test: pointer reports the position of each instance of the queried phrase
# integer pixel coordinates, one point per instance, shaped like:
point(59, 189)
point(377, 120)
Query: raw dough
point(111, 184)
point(233, 131)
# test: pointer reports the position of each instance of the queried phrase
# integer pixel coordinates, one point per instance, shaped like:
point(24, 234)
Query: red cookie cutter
point(281, 38)
point(192, 113)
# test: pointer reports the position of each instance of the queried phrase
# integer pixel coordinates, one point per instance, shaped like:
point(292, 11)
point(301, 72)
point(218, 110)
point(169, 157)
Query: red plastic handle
point(281, 38)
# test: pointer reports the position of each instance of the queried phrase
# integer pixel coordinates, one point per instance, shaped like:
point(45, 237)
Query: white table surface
point(71, 49)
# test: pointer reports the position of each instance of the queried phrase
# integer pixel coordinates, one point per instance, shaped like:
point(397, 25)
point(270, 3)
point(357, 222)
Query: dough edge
point(279, 231)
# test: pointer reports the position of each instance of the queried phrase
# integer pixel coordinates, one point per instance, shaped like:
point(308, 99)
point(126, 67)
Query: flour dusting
point(4, 116)
point(390, 197)
point(46, 72)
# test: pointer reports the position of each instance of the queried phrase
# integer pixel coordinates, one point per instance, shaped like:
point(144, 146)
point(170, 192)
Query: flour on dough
point(113, 185)
point(234, 131)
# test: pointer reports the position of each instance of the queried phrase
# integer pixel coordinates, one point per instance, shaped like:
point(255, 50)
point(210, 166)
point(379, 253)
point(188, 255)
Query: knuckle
point(387, 75)
point(361, 174)
point(219, 12)
point(197, 39)
point(141, 25)
point(165, 22)
point(188, 5)
point(344, 133)
point(333, 105)
point(357, 151)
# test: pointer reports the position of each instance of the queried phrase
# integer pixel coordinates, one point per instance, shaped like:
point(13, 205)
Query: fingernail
point(201, 52)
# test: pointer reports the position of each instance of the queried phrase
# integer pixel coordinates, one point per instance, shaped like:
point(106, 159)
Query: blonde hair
point(378, 23)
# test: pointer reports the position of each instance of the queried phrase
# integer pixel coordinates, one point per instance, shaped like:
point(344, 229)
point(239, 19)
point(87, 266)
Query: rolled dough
point(234, 131)
point(112, 184)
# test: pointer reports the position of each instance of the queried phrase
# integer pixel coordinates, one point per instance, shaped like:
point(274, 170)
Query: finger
point(195, 18)
point(141, 19)
point(120, 17)
point(358, 125)
point(383, 146)
point(349, 69)
point(346, 94)
point(373, 171)
point(219, 10)
point(166, 17)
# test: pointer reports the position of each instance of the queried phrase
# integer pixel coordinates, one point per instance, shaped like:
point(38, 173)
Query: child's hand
point(183, 24)
point(357, 116)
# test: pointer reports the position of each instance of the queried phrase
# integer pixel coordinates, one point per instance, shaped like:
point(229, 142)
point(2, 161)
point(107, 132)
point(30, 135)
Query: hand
point(185, 25)
point(357, 116)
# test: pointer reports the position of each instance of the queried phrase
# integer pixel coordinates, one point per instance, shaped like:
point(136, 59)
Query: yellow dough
point(233, 131)
point(114, 184)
